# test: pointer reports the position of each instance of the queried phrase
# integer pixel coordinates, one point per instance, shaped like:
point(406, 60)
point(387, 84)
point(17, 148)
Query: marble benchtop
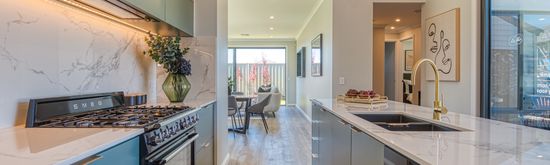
point(484, 141)
point(20, 145)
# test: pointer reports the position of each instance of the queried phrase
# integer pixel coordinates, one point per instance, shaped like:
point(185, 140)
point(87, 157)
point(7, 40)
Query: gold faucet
point(438, 105)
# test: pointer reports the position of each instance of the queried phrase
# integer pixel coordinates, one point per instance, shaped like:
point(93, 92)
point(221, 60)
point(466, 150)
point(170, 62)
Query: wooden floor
point(288, 141)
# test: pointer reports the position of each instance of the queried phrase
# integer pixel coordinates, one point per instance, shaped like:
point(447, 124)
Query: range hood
point(124, 13)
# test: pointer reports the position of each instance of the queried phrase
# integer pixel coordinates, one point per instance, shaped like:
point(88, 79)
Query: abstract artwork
point(443, 44)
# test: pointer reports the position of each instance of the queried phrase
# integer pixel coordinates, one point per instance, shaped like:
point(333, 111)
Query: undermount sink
point(400, 122)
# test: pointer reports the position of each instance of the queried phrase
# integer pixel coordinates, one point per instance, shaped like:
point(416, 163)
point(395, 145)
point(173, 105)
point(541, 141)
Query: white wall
point(290, 46)
point(352, 45)
point(379, 54)
point(463, 96)
point(222, 147)
point(316, 87)
point(49, 50)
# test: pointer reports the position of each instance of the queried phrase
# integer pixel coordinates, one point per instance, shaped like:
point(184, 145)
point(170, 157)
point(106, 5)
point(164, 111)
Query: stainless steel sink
point(400, 122)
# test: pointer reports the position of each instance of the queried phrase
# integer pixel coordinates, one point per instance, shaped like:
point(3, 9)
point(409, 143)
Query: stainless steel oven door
point(179, 152)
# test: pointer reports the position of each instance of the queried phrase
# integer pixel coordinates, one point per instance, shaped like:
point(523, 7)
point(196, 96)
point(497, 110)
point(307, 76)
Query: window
point(517, 62)
point(251, 68)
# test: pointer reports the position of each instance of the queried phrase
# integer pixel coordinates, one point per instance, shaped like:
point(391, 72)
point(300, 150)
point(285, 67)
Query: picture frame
point(301, 62)
point(443, 44)
point(317, 56)
point(409, 60)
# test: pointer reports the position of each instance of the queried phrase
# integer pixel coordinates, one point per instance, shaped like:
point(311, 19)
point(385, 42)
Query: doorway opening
point(397, 45)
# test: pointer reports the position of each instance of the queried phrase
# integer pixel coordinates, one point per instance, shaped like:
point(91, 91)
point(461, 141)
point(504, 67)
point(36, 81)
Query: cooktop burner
point(124, 117)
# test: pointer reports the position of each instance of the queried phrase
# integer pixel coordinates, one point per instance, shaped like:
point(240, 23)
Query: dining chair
point(232, 110)
point(258, 108)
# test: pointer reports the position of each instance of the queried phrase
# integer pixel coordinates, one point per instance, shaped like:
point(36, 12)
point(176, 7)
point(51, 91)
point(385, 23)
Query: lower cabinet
point(365, 150)
point(204, 145)
point(315, 136)
point(126, 153)
point(336, 142)
point(331, 138)
point(341, 140)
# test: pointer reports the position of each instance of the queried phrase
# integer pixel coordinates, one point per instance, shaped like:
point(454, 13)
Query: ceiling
point(385, 15)
point(251, 18)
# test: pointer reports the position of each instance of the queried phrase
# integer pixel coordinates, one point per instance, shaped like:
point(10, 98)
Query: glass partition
point(518, 62)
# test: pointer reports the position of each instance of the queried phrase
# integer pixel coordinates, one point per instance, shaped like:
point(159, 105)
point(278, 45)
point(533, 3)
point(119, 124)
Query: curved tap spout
point(438, 105)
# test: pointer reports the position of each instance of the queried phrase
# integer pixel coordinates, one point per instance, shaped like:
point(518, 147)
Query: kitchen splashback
point(48, 50)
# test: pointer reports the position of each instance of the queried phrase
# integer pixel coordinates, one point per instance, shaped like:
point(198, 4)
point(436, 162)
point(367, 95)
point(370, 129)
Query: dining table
point(247, 101)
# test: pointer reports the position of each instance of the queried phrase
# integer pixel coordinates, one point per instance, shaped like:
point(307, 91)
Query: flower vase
point(176, 87)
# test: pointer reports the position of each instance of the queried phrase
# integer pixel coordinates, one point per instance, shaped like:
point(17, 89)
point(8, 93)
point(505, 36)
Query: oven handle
point(176, 151)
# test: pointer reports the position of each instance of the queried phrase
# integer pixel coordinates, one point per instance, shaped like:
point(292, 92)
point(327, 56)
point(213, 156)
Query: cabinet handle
point(315, 121)
point(342, 122)
point(206, 145)
point(314, 156)
point(90, 160)
point(315, 138)
point(356, 130)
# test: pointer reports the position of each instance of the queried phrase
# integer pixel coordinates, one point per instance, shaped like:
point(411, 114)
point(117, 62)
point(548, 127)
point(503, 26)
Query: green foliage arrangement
point(166, 51)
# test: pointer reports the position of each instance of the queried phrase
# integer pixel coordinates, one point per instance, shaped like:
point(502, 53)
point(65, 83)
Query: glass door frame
point(485, 76)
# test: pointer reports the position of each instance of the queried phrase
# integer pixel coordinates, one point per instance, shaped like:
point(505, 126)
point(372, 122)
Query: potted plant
point(166, 51)
point(230, 85)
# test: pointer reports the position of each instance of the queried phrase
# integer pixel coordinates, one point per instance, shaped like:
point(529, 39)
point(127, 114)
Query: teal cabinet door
point(180, 14)
point(126, 153)
point(204, 145)
point(154, 7)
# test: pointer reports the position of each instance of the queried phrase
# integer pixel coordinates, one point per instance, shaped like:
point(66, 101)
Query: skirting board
point(303, 113)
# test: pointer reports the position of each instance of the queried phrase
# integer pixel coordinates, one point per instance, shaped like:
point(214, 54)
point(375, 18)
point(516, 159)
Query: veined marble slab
point(20, 145)
point(485, 141)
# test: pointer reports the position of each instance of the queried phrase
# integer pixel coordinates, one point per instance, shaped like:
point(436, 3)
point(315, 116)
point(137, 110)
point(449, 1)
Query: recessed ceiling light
point(270, 36)
point(271, 28)
point(542, 19)
point(539, 156)
point(392, 27)
point(397, 20)
point(271, 17)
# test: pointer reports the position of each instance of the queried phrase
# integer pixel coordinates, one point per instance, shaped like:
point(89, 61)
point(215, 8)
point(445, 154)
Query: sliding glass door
point(516, 77)
point(253, 68)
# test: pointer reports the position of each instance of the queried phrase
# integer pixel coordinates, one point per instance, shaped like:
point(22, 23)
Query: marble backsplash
point(50, 50)
point(201, 53)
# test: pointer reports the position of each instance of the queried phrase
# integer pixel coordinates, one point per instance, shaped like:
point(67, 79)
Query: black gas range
point(169, 130)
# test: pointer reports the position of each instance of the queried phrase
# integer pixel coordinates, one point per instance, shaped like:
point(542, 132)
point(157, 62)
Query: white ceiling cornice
point(309, 17)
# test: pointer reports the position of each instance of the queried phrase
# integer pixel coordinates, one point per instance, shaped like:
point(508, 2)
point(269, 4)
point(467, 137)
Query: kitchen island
point(477, 141)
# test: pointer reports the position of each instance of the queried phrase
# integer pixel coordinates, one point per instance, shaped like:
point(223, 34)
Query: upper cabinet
point(176, 17)
point(180, 13)
point(155, 8)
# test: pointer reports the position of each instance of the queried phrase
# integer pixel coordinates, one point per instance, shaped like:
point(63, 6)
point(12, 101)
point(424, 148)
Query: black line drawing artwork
point(439, 48)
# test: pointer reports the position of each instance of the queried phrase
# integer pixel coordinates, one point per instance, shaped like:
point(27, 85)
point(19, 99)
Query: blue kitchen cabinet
point(126, 153)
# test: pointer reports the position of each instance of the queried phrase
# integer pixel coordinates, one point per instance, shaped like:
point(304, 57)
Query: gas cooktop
point(124, 117)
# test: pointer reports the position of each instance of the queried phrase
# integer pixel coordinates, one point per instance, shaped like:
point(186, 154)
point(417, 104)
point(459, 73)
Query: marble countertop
point(483, 141)
point(19, 145)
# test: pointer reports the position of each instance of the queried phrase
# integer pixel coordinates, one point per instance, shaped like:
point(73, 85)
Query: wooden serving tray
point(375, 100)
